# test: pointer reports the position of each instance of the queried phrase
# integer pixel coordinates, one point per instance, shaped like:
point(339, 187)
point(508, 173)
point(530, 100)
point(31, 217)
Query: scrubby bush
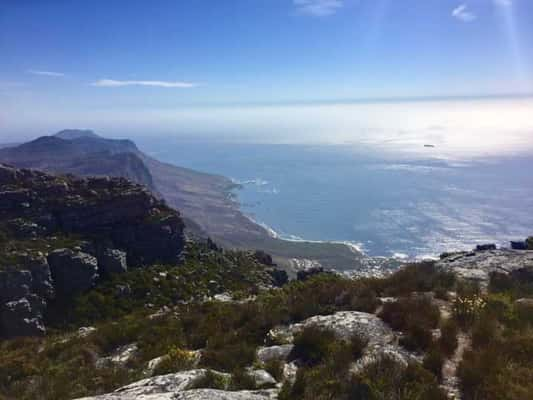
point(433, 362)
point(448, 339)
point(176, 359)
point(467, 309)
point(388, 379)
point(242, 380)
point(417, 338)
point(312, 345)
point(415, 316)
point(420, 277)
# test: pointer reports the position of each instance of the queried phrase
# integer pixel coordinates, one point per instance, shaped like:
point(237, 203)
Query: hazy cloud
point(318, 8)
point(503, 3)
point(45, 73)
point(165, 84)
point(462, 13)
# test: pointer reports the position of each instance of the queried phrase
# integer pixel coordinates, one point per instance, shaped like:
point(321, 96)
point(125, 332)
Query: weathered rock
point(21, 318)
point(119, 357)
point(344, 324)
point(72, 272)
point(266, 354)
point(112, 261)
point(478, 266)
point(166, 386)
point(24, 289)
point(289, 372)
point(213, 394)
point(85, 331)
point(378, 351)
point(262, 378)
point(113, 211)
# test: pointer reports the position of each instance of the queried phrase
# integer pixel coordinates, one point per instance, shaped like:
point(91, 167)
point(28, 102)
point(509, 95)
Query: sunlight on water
point(453, 128)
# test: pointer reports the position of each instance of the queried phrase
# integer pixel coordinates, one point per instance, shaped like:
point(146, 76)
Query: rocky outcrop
point(113, 211)
point(182, 385)
point(381, 340)
point(25, 287)
point(112, 261)
point(478, 265)
point(73, 272)
point(344, 324)
point(62, 234)
point(267, 354)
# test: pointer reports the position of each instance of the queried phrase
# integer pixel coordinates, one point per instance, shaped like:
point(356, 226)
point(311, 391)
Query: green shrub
point(484, 332)
point(312, 345)
point(420, 277)
point(448, 338)
point(176, 359)
point(417, 338)
point(433, 362)
point(411, 311)
point(468, 308)
point(242, 380)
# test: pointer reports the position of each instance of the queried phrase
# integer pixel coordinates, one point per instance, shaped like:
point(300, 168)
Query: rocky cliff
point(59, 235)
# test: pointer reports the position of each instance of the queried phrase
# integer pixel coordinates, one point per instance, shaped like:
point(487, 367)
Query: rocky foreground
point(61, 235)
point(134, 311)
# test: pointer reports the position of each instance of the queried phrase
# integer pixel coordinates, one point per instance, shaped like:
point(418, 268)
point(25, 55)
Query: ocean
point(408, 195)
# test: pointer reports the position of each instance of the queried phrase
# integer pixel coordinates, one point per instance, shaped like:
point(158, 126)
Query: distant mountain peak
point(71, 134)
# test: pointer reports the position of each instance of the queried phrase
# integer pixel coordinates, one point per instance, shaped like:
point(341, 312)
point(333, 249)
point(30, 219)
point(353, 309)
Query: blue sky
point(66, 58)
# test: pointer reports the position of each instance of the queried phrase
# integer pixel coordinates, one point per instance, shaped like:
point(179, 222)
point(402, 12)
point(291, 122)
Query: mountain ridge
point(207, 201)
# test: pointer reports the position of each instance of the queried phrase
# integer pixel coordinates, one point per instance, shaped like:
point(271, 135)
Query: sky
point(115, 64)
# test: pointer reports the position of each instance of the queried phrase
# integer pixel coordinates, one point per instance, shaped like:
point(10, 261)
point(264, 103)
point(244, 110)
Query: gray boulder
point(166, 386)
point(344, 324)
point(267, 354)
point(262, 378)
point(72, 272)
point(112, 261)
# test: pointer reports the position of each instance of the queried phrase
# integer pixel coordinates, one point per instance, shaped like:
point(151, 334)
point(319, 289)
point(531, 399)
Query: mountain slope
point(206, 201)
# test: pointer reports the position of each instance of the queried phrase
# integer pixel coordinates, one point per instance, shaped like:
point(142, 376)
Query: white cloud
point(503, 3)
point(165, 84)
point(318, 8)
point(45, 73)
point(463, 13)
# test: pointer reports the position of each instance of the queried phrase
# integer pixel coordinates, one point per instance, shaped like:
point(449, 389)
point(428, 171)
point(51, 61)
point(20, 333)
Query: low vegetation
point(171, 316)
point(499, 364)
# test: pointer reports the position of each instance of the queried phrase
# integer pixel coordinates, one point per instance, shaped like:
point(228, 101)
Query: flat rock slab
point(478, 265)
point(159, 385)
point(213, 394)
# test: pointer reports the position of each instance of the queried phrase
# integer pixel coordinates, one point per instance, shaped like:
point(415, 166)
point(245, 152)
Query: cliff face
point(59, 235)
